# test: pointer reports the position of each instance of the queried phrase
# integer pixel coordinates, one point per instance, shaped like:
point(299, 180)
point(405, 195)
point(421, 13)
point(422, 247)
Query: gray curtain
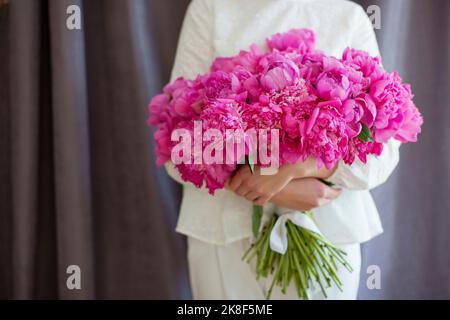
point(79, 184)
point(81, 187)
point(413, 253)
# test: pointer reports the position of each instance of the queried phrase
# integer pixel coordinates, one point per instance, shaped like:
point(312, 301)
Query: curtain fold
point(31, 181)
point(71, 150)
point(5, 164)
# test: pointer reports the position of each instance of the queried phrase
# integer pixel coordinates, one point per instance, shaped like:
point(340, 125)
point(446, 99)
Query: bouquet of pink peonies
point(295, 102)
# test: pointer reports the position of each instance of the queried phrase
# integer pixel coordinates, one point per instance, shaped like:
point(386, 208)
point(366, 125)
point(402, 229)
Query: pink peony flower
point(220, 85)
point(163, 142)
point(211, 175)
point(219, 114)
point(222, 114)
point(296, 103)
point(411, 125)
point(311, 65)
point(319, 104)
point(161, 107)
point(369, 109)
point(245, 59)
point(185, 97)
point(260, 116)
point(300, 40)
point(277, 71)
point(361, 61)
point(324, 134)
point(157, 107)
point(389, 95)
point(333, 82)
point(353, 111)
point(361, 149)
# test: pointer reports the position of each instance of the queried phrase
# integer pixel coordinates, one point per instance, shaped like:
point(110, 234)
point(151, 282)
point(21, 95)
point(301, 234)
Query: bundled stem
point(309, 259)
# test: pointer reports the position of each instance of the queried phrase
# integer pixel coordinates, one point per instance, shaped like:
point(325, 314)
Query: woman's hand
point(261, 188)
point(305, 194)
point(256, 187)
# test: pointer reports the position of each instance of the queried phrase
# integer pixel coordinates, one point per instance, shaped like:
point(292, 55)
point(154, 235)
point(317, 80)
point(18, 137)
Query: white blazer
point(213, 28)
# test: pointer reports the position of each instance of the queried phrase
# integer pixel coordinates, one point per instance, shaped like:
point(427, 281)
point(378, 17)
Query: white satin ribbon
point(278, 236)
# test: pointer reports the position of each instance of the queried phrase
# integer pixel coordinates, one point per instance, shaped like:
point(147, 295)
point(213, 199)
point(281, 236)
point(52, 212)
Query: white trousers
point(218, 272)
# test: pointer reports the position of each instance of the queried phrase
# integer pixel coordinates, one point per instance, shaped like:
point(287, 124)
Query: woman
point(219, 227)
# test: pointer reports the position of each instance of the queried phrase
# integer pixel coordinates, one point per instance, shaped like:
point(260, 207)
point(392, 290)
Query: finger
point(331, 193)
point(242, 190)
point(237, 179)
point(252, 196)
point(234, 183)
point(323, 201)
point(245, 172)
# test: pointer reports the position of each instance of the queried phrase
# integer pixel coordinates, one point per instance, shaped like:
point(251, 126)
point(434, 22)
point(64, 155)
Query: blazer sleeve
point(194, 51)
point(360, 176)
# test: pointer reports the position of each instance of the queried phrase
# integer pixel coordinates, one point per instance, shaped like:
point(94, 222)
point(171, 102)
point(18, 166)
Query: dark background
point(78, 180)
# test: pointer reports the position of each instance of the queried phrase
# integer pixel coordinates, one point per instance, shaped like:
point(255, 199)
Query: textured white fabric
point(218, 272)
point(214, 28)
